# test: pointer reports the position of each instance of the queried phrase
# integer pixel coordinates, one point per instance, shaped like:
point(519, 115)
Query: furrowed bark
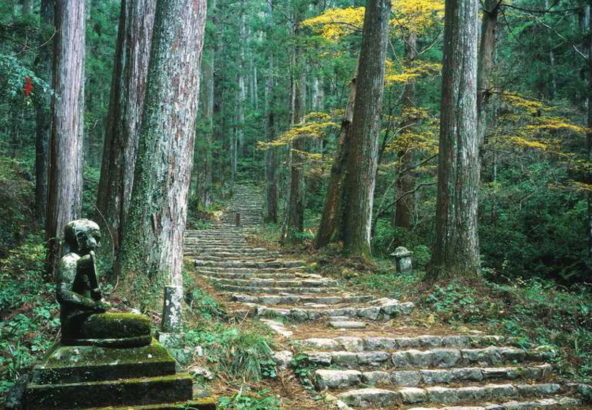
point(456, 251)
point(65, 163)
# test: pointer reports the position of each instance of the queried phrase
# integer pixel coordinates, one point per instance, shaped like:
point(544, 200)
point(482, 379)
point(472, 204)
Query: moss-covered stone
point(138, 391)
point(207, 403)
point(69, 364)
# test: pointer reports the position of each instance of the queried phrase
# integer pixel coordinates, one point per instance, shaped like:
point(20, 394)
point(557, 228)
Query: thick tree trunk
point(362, 159)
point(588, 31)
point(456, 251)
point(125, 112)
point(271, 155)
point(491, 10)
point(65, 163)
point(332, 217)
point(43, 109)
point(152, 245)
point(405, 180)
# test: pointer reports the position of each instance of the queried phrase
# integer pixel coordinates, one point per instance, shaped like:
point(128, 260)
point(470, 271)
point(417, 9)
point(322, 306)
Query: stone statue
point(83, 312)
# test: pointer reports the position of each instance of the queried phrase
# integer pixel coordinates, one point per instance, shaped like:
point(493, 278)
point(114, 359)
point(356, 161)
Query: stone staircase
point(353, 344)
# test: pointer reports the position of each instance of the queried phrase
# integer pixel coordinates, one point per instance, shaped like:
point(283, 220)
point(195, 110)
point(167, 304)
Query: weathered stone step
point(359, 344)
point(250, 264)
point(380, 309)
point(287, 283)
point(216, 270)
point(439, 395)
point(290, 298)
point(339, 379)
point(435, 358)
point(568, 402)
point(231, 253)
point(238, 258)
point(255, 275)
point(274, 289)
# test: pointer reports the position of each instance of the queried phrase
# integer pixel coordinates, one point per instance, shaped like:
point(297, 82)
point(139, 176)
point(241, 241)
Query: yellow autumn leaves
point(414, 16)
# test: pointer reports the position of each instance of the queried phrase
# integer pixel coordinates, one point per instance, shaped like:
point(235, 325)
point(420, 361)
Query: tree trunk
point(271, 155)
point(405, 179)
point(456, 251)
point(491, 10)
point(65, 163)
point(43, 108)
point(152, 245)
point(203, 169)
point(332, 211)
point(588, 31)
point(362, 159)
point(125, 111)
point(295, 214)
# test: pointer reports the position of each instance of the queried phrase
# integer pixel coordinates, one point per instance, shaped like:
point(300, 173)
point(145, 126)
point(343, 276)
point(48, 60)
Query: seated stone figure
point(83, 312)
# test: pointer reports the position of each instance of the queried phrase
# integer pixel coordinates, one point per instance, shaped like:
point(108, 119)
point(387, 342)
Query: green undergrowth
point(248, 399)
point(29, 319)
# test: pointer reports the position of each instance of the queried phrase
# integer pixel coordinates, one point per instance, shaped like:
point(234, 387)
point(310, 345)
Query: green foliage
point(250, 400)
point(303, 368)
point(205, 305)
point(233, 351)
point(28, 311)
point(16, 196)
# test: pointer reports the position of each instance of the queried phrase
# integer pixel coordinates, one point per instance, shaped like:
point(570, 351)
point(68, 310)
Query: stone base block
point(139, 391)
point(72, 364)
point(88, 377)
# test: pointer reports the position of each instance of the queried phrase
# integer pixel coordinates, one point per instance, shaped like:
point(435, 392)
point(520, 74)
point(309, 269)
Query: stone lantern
point(403, 259)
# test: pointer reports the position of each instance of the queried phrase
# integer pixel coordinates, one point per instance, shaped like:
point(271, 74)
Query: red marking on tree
point(28, 88)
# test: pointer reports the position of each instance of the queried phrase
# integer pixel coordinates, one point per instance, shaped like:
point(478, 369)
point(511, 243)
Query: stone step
point(255, 275)
point(435, 358)
point(138, 391)
point(286, 283)
point(568, 402)
point(249, 264)
point(340, 379)
point(237, 258)
point(247, 289)
point(216, 270)
point(366, 397)
point(359, 344)
point(290, 298)
point(223, 253)
point(380, 309)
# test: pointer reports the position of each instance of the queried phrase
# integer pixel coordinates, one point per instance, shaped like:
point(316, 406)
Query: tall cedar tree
point(456, 251)
point(152, 245)
point(295, 213)
point(271, 155)
point(362, 156)
point(43, 108)
point(128, 87)
point(65, 163)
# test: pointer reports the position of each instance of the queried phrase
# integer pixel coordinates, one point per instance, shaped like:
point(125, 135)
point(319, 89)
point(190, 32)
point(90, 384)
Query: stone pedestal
point(85, 377)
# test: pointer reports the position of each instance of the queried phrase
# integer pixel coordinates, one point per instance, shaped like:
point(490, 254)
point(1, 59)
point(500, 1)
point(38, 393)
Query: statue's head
point(82, 236)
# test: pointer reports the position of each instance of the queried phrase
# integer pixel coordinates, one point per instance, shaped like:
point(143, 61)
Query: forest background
point(276, 79)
